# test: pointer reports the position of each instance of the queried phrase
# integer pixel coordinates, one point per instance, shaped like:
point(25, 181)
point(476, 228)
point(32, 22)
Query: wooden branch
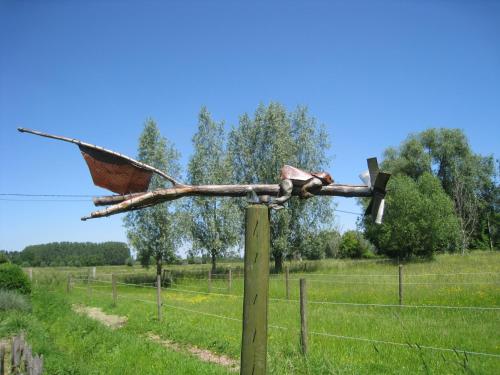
point(123, 203)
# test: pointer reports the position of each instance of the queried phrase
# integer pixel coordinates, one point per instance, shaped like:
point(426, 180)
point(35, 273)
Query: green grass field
point(350, 338)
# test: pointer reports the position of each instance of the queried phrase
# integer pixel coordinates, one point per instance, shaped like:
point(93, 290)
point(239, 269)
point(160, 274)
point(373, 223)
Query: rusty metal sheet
point(291, 173)
point(114, 172)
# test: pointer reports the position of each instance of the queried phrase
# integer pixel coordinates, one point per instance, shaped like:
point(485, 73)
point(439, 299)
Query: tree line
point(442, 197)
point(75, 254)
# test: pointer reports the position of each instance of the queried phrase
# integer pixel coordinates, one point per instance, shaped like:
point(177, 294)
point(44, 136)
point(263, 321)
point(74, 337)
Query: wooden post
point(287, 285)
point(113, 284)
point(68, 287)
point(303, 316)
point(209, 281)
point(89, 285)
point(93, 272)
point(2, 360)
point(30, 272)
point(400, 284)
point(229, 280)
point(256, 290)
point(158, 295)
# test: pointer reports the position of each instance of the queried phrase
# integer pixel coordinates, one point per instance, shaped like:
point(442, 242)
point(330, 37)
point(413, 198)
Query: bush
point(12, 277)
point(3, 258)
point(354, 245)
point(10, 300)
point(129, 261)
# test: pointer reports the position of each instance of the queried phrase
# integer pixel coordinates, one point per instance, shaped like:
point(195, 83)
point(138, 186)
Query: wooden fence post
point(93, 272)
point(2, 360)
point(89, 285)
point(303, 316)
point(287, 284)
point(209, 281)
point(158, 295)
point(256, 290)
point(68, 287)
point(400, 284)
point(30, 271)
point(113, 284)
point(229, 280)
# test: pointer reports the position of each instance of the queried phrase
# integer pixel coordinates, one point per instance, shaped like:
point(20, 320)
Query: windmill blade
point(111, 170)
point(372, 169)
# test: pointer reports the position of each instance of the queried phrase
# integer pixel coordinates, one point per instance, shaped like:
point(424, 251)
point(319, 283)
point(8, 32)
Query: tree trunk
point(278, 262)
point(158, 265)
point(214, 260)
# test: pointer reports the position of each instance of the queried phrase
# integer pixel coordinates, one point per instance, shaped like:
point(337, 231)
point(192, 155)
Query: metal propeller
point(377, 181)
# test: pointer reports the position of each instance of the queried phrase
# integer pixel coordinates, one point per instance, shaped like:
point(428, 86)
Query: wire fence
point(407, 345)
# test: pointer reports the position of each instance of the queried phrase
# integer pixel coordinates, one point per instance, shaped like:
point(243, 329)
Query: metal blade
point(373, 169)
point(380, 212)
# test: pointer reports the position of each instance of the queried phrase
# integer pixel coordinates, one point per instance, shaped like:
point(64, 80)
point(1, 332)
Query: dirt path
point(111, 321)
point(116, 321)
point(202, 354)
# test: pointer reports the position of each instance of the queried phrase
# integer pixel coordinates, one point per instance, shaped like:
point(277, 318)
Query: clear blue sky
point(371, 71)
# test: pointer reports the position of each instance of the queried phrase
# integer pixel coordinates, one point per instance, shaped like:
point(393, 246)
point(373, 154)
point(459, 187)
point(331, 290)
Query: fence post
point(303, 316)
point(400, 284)
point(89, 285)
point(113, 284)
point(2, 360)
point(287, 284)
point(229, 280)
point(158, 295)
point(30, 271)
point(209, 281)
point(256, 290)
point(68, 287)
point(93, 272)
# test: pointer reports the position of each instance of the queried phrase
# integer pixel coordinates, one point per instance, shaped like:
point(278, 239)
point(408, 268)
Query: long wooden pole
point(123, 203)
point(256, 290)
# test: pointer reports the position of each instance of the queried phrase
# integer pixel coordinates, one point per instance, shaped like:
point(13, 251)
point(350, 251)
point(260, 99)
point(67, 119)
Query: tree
point(153, 231)
point(419, 219)
point(260, 146)
point(468, 178)
point(214, 222)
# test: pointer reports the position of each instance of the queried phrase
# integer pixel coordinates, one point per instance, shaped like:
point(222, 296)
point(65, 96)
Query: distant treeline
point(72, 254)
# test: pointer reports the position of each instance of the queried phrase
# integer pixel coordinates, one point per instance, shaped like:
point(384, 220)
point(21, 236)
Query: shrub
point(12, 277)
point(354, 245)
point(11, 300)
point(3, 258)
point(129, 261)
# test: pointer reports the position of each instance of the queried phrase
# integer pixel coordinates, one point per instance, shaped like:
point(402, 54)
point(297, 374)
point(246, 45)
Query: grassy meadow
point(399, 340)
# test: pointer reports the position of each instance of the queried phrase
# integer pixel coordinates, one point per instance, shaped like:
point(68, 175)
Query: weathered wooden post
point(2, 360)
point(89, 284)
point(113, 284)
point(93, 272)
point(287, 285)
point(256, 289)
point(229, 280)
point(30, 272)
point(303, 316)
point(209, 281)
point(68, 286)
point(158, 295)
point(400, 284)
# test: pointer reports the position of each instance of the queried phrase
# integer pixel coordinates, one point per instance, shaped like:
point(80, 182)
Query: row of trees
point(70, 254)
point(442, 195)
point(253, 152)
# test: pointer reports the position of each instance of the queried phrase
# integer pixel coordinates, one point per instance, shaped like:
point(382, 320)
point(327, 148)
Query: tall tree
point(260, 146)
point(468, 178)
point(153, 231)
point(214, 222)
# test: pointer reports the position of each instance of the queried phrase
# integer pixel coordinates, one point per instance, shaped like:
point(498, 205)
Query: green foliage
point(214, 222)
point(468, 178)
point(74, 254)
point(12, 277)
point(154, 231)
point(324, 244)
point(354, 245)
point(3, 257)
point(419, 219)
point(11, 300)
point(129, 262)
point(260, 146)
